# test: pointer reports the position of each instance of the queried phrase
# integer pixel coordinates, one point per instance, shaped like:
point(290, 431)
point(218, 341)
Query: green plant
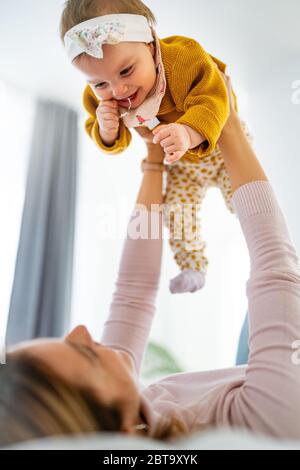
point(159, 362)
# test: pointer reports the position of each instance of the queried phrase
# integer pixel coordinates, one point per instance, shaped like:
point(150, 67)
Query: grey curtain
point(41, 292)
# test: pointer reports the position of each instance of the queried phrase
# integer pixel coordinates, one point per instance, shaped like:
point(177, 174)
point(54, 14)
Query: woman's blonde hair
point(35, 402)
point(77, 11)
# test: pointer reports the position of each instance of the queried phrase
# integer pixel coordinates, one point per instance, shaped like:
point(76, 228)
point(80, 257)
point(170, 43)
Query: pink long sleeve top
point(263, 396)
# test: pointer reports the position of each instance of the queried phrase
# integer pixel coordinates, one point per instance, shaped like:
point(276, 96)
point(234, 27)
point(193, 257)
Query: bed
point(220, 439)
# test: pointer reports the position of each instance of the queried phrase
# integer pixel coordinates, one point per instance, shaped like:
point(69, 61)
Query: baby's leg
point(223, 182)
point(183, 200)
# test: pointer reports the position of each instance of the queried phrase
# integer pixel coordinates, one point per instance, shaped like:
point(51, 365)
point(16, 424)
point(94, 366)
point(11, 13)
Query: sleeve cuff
point(120, 144)
point(209, 127)
point(257, 197)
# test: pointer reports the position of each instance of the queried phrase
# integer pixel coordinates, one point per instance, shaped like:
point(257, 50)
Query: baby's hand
point(109, 119)
point(174, 139)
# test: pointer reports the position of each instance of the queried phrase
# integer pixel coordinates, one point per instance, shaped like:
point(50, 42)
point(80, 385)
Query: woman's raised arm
point(240, 159)
point(133, 305)
point(268, 401)
point(151, 190)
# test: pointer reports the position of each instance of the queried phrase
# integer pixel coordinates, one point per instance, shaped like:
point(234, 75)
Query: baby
point(136, 80)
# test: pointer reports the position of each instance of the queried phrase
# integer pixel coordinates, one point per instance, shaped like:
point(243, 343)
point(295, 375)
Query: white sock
point(187, 281)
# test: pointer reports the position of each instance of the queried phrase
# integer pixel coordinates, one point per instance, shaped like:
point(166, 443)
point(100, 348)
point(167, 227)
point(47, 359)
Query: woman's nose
point(80, 334)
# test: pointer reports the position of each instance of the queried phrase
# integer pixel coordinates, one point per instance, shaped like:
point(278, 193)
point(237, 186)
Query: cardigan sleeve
point(91, 103)
point(200, 93)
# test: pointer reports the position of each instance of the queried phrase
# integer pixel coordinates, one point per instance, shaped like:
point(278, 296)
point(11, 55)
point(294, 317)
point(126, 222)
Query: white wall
point(259, 40)
point(15, 141)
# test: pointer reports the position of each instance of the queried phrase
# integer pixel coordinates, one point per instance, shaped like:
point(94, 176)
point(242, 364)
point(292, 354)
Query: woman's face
point(126, 68)
point(109, 374)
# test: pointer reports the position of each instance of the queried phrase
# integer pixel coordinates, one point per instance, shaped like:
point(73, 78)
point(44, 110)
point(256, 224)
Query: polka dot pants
point(187, 184)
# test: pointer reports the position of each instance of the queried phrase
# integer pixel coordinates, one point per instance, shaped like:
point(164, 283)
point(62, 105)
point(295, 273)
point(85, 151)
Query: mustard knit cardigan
point(196, 96)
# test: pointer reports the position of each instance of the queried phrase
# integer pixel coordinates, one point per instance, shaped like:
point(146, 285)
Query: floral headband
point(90, 35)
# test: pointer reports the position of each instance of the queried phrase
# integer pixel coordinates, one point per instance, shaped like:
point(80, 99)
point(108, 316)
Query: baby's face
point(126, 68)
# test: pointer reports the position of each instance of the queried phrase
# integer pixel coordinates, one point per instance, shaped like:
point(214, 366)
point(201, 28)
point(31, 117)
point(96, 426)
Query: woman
point(75, 385)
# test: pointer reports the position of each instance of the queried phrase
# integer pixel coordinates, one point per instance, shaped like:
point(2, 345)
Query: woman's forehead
point(34, 344)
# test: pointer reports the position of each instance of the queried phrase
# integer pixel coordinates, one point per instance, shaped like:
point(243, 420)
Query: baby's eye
point(126, 70)
point(99, 85)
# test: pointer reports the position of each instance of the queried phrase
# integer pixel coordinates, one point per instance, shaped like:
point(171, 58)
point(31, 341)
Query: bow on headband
point(92, 39)
point(89, 36)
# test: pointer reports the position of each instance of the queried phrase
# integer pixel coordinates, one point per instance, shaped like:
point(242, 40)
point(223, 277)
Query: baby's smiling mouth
point(132, 97)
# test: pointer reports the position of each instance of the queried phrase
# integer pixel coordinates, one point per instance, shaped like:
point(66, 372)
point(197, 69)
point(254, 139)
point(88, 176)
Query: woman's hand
point(233, 116)
point(151, 190)
point(155, 152)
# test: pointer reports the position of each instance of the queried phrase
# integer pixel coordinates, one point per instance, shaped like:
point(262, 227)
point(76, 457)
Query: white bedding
point(213, 440)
